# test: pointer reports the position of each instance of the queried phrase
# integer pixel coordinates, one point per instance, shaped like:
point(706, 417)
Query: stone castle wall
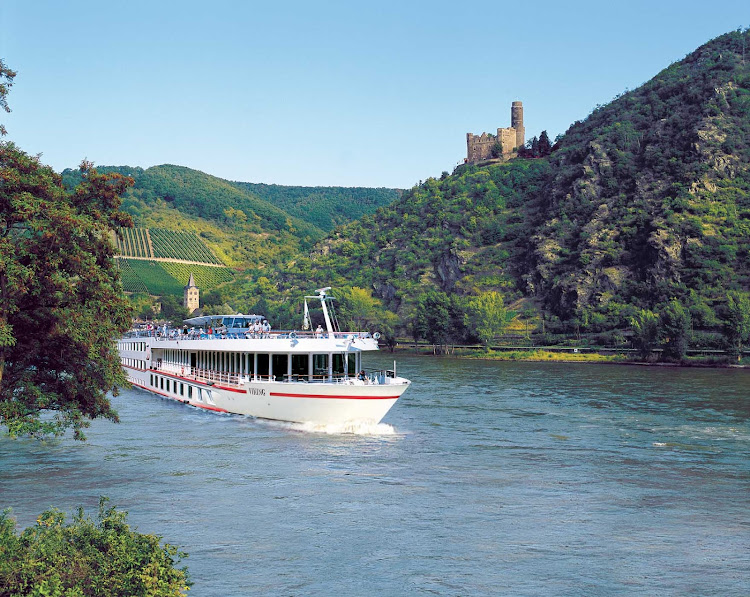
point(479, 147)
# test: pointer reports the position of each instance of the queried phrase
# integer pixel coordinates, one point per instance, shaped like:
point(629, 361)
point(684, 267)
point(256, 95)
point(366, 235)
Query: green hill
point(645, 201)
point(325, 207)
point(249, 230)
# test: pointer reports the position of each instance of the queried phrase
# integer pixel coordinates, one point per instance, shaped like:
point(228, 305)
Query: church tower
point(191, 293)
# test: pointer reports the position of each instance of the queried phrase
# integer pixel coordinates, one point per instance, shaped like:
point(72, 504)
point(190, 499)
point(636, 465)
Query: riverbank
point(712, 358)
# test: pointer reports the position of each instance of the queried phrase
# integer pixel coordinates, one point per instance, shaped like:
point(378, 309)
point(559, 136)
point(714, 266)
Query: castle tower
point(516, 122)
point(484, 147)
point(190, 297)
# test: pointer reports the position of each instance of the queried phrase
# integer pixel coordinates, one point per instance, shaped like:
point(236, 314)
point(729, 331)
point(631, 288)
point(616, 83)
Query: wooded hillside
point(644, 204)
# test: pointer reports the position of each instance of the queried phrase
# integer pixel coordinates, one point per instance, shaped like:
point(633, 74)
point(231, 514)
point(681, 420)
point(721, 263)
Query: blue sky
point(329, 93)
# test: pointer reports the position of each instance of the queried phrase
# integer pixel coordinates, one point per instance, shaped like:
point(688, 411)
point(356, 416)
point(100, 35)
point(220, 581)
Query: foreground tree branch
point(61, 302)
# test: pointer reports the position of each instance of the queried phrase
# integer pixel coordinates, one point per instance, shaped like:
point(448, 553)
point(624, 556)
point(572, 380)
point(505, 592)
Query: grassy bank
point(575, 356)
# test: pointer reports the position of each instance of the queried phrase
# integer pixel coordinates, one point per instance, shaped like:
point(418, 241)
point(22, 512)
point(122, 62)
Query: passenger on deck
point(256, 329)
point(319, 331)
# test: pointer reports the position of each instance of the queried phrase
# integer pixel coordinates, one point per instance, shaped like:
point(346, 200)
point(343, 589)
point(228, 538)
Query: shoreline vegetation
point(555, 354)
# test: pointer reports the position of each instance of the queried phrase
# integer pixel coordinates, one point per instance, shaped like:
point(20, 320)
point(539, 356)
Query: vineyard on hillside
point(134, 242)
point(205, 276)
point(131, 282)
point(181, 245)
point(149, 243)
point(159, 277)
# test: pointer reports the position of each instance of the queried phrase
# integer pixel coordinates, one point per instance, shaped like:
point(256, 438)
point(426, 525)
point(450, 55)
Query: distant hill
point(325, 207)
point(245, 229)
point(645, 201)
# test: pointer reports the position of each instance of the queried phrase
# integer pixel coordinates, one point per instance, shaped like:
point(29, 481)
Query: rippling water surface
point(485, 479)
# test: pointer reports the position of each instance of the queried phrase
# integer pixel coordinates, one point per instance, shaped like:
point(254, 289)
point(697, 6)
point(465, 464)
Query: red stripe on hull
point(228, 389)
point(207, 407)
point(336, 396)
point(214, 408)
point(192, 381)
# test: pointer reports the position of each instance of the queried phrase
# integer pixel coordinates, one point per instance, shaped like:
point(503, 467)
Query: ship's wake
point(348, 428)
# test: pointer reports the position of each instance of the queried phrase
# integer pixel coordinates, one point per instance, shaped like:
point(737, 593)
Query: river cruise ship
point(244, 367)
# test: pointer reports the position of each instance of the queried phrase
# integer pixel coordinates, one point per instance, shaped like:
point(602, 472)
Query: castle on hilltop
point(502, 146)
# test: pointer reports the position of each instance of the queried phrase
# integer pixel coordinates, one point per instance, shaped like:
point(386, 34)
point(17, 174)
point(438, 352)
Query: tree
point(645, 325)
point(6, 82)
point(545, 147)
point(497, 149)
point(737, 325)
point(675, 330)
point(487, 316)
point(213, 297)
point(534, 147)
point(61, 301)
point(358, 307)
point(172, 309)
point(432, 319)
point(87, 557)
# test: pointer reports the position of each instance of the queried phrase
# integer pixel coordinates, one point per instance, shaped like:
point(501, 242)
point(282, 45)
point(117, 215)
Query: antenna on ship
point(322, 296)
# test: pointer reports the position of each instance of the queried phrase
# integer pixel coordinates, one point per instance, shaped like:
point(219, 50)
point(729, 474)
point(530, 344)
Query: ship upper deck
point(281, 341)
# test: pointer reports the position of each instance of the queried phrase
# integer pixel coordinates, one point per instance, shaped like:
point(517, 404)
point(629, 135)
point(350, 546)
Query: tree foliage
point(6, 82)
point(358, 308)
point(674, 323)
point(737, 325)
point(87, 558)
point(645, 325)
point(487, 316)
point(61, 303)
point(438, 318)
point(325, 207)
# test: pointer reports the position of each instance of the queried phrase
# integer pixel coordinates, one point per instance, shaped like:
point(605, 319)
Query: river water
point(485, 479)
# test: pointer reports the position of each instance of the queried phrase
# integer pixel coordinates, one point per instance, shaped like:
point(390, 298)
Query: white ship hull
point(319, 403)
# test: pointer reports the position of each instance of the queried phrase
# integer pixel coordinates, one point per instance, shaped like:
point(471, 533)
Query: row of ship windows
point(132, 346)
point(135, 363)
point(177, 388)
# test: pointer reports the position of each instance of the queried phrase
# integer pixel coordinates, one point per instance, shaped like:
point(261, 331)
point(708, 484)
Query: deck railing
point(210, 376)
point(173, 334)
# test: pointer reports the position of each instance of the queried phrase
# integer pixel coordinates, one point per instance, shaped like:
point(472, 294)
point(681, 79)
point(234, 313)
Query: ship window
point(338, 364)
point(320, 365)
point(280, 363)
point(299, 365)
point(262, 364)
point(352, 365)
point(182, 389)
point(151, 380)
point(190, 391)
point(161, 383)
